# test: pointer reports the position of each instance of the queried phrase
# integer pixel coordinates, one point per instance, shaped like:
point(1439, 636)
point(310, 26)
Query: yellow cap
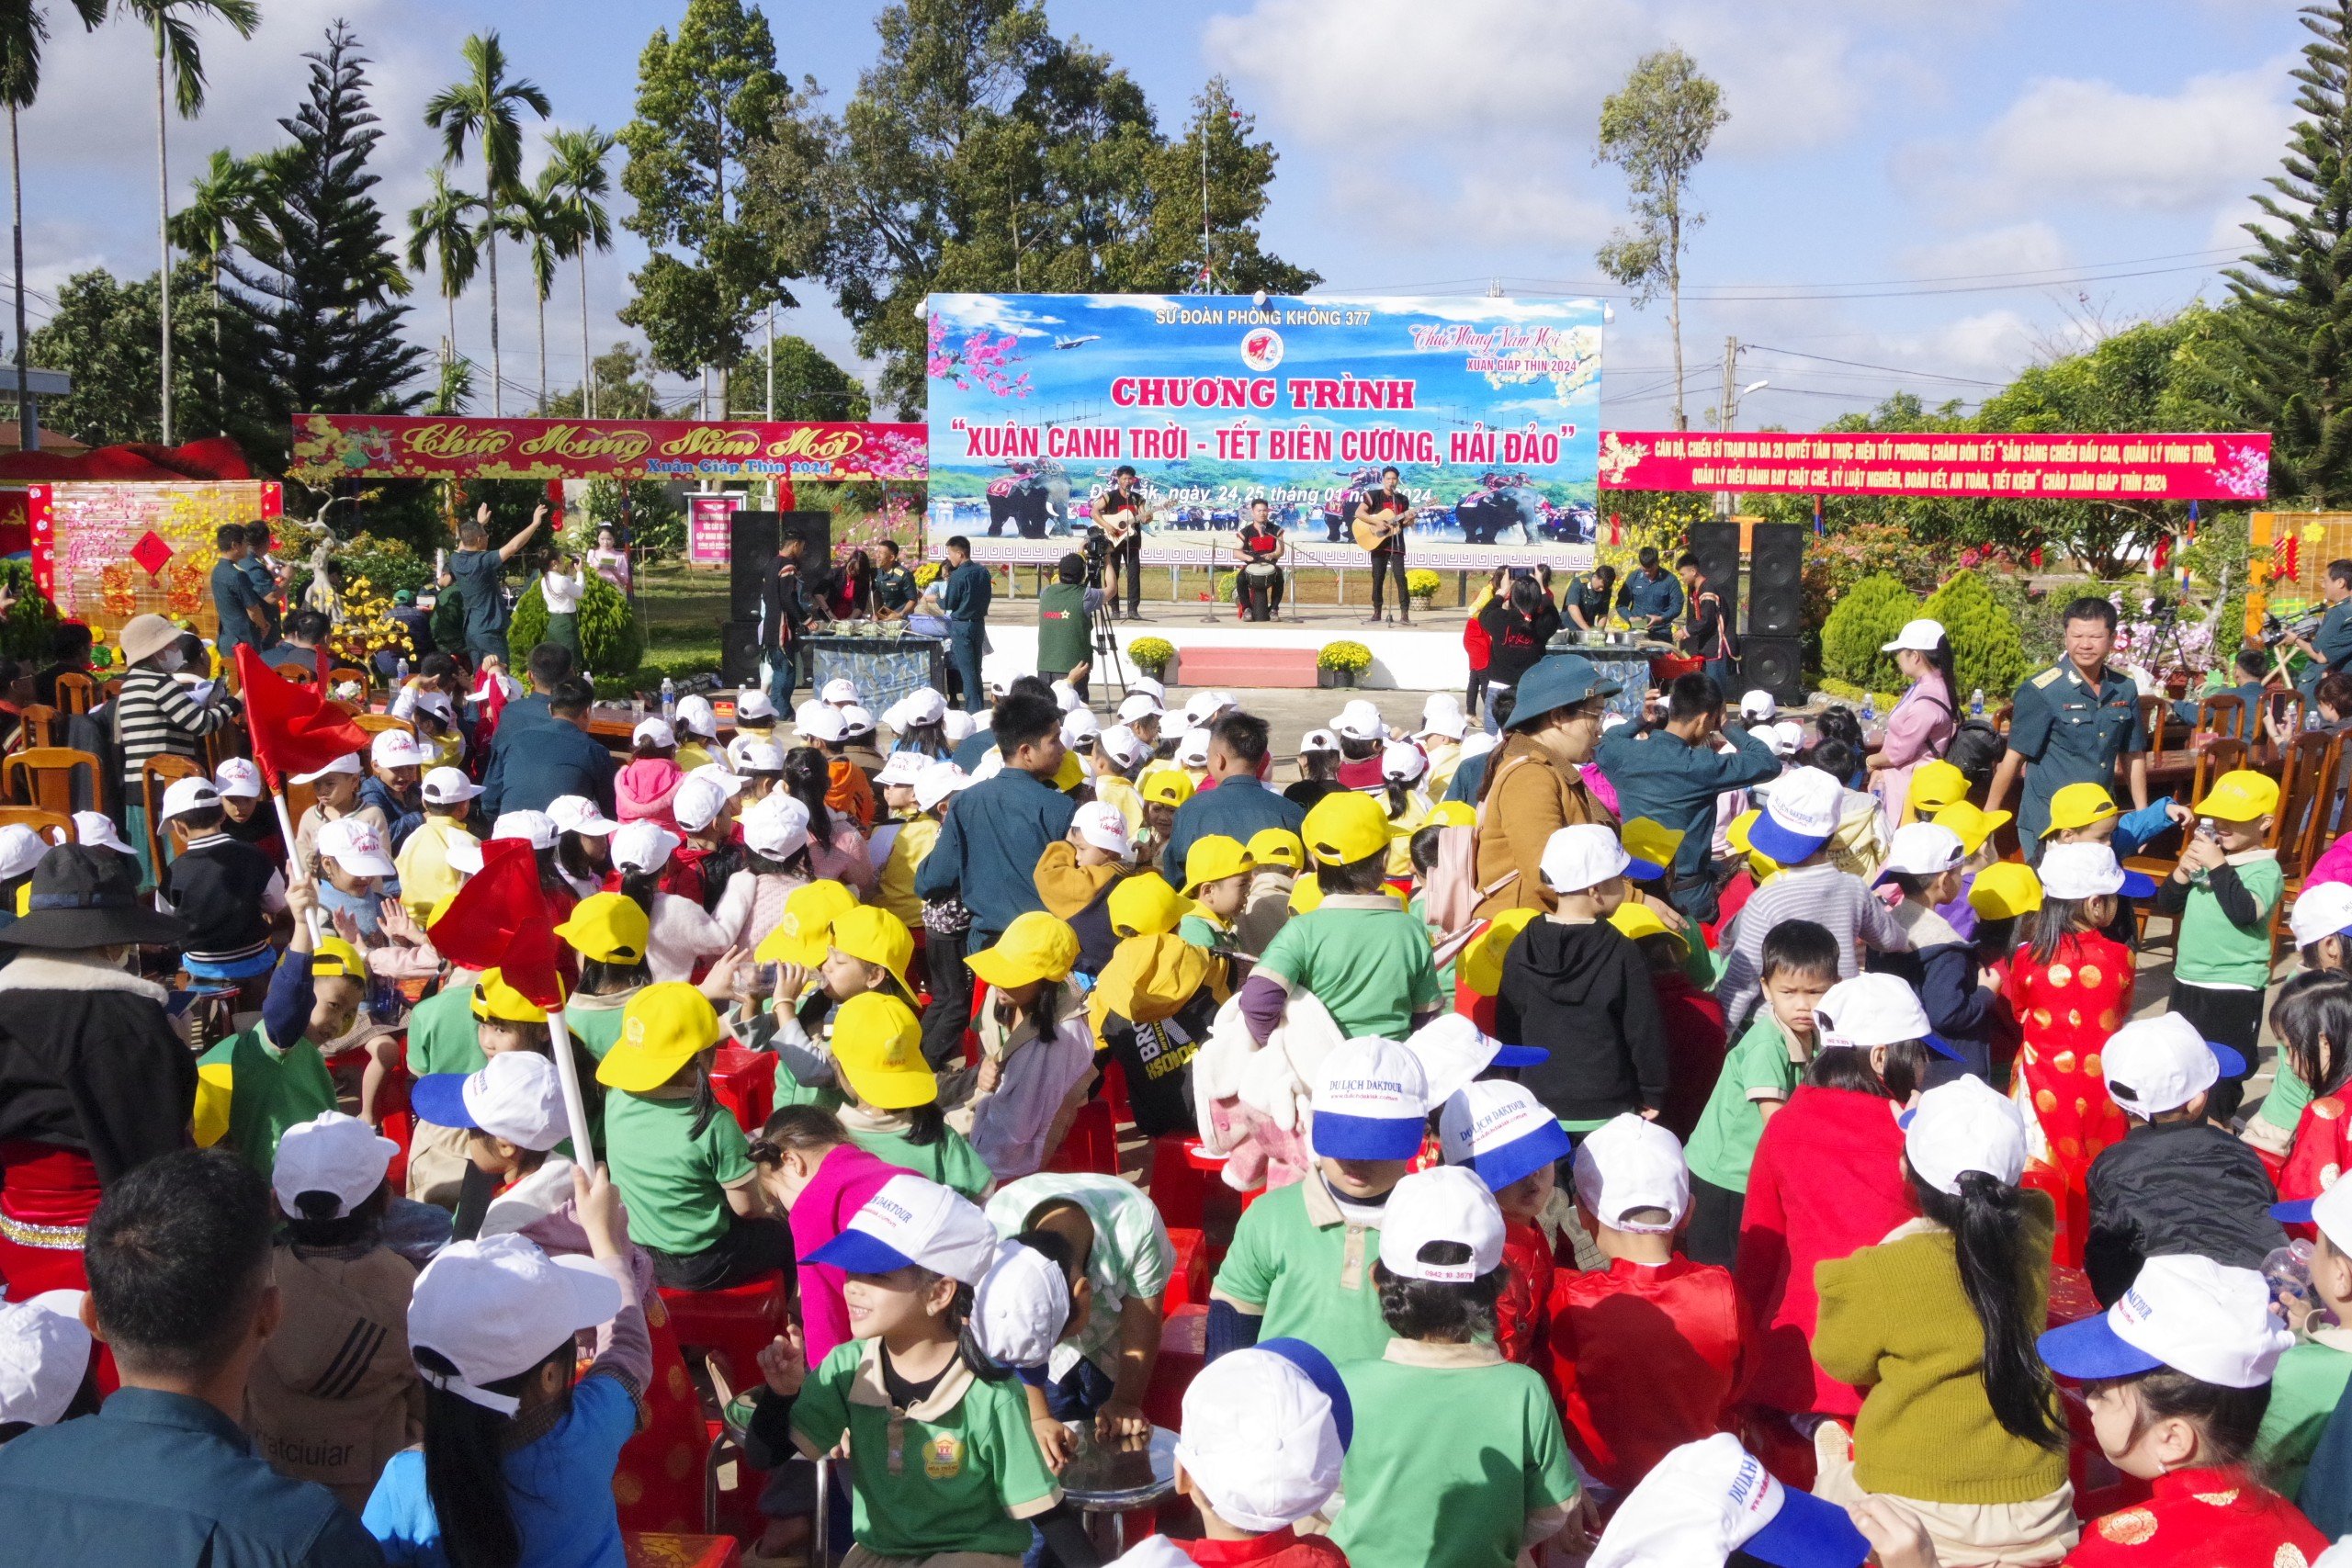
point(1035, 946)
point(2079, 806)
point(1645, 839)
point(215, 1088)
point(1071, 774)
point(2005, 890)
point(1164, 784)
point(1759, 864)
point(1480, 966)
point(610, 928)
point(1935, 785)
point(877, 1045)
point(664, 1027)
point(337, 960)
point(806, 930)
point(876, 936)
point(1143, 905)
point(1343, 829)
point(1636, 920)
point(1278, 846)
point(2243, 795)
point(433, 918)
point(493, 997)
point(1306, 894)
point(1451, 814)
point(1213, 858)
point(1971, 822)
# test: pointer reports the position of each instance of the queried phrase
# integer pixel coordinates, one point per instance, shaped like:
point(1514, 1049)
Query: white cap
point(1922, 849)
point(1139, 705)
point(1020, 1309)
point(1401, 763)
point(901, 768)
point(1260, 1438)
point(1786, 737)
point(1442, 714)
point(1193, 749)
point(188, 795)
point(731, 783)
point(331, 1153)
point(1099, 823)
point(1371, 1101)
point(1318, 740)
point(656, 729)
point(1801, 811)
point(1870, 1009)
point(911, 1221)
point(822, 721)
point(1453, 1051)
point(438, 704)
point(2188, 1313)
point(958, 725)
point(44, 1355)
point(2160, 1063)
point(1202, 707)
point(643, 846)
point(1149, 687)
point(396, 749)
point(776, 826)
point(841, 691)
point(1445, 1202)
point(1627, 1164)
point(1500, 1131)
point(517, 1096)
point(355, 846)
point(1066, 696)
point(21, 848)
point(346, 763)
point(1123, 746)
point(758, 756)
point(1079, 728)
point(447, 786)
point(1760, 707)
point(536, 829)
point(922, 705)
point(2323, 909)
point(2081, 870)
point(463, 851)
point(754, 705)
point(856, 720)
point(1708, 1499)
point(1920, 636)
point(238, 776)
point(697, 716)
point(1478, 743)
point(939, 781)
point(1359, 720)
point(1964, 1126)
point(697, 802)
point(2330, 1212)
point(89, 828)
point(1582, 855)
point(577, 814)
point(497, 1307)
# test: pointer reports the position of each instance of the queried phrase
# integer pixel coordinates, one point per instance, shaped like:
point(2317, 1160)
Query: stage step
point(1291, 668)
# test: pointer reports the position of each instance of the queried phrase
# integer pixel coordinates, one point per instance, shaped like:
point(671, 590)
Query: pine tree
point(2292, 339)
point(313, 325)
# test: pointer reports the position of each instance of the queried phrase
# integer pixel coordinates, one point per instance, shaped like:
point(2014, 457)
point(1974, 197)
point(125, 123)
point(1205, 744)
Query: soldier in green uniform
point(894, 585)
point(2072, 722)
point(2329, 647)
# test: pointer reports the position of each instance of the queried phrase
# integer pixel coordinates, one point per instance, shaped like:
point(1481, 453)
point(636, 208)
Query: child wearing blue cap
point(2310, 1380)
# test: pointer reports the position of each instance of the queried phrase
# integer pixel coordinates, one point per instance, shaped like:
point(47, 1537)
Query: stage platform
point(1427, 656)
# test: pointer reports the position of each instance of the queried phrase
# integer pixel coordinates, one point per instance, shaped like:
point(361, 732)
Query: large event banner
point(107, 550)
point(2139, 467)
point(1489, 409)
point(431, 448)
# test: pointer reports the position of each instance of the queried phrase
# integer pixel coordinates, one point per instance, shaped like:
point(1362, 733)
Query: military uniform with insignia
point(2071, 730)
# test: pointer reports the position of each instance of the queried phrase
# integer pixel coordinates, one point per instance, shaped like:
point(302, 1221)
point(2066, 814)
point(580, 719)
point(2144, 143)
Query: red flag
point(500, 920)
point(295, 729)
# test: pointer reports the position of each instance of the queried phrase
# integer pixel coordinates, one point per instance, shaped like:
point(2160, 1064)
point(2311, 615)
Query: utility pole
point(1207, 272)
point(1724, 412)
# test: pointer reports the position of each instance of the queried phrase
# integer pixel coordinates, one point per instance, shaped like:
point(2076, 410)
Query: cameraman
point(2330, 647)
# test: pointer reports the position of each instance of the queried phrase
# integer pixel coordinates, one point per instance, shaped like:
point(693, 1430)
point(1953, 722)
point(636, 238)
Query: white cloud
point(2016, 249)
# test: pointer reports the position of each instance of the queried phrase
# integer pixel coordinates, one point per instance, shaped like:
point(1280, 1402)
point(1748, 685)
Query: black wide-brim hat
point(84, 897)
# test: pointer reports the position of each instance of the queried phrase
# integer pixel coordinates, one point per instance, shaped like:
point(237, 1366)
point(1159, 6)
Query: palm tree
point(575, 182)
point(485, 107)
point(23, 29)
point(445, 227)
point(179, 64)
point(225, 205)
point(545, 230)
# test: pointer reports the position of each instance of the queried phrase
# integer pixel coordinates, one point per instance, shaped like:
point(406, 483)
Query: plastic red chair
point(1115, 1091)
point(1188, 1285)
point(1092, 1144)
point(732, 1325)
point(744, 1081)
point(2101, 1489)
point(1184, 1341)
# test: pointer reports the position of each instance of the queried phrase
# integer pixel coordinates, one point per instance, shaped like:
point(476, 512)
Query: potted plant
point(1421, 584)
point(1152, 656)
point(1341, 662)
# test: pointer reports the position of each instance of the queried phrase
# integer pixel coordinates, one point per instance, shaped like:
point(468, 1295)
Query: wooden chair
point(339, 673)
point(2302, 824)
point(57, 829)
point(2222, 714)
point(76, 693)
point(2155, 714)
point(2219, 755)
point(110, 688)
point(42, 726)
point(156, 775)
point(43, 776)
point(300, 674)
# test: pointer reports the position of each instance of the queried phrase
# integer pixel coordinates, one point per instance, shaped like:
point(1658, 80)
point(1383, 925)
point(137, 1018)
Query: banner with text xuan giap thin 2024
point(1488, 407)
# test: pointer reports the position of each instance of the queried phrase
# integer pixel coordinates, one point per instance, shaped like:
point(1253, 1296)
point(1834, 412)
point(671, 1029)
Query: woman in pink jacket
point(1921, 726)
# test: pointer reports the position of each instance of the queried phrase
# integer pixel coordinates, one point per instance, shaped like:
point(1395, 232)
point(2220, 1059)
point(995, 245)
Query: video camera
point(2276, 631)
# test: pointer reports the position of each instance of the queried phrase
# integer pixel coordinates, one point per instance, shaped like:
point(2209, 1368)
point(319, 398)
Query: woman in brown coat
point(1532, 787)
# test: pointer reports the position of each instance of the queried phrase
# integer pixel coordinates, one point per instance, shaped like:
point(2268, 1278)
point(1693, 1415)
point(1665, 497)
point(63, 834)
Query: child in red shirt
point(1505, 1135)
point(1647, 1354)
point(2313, 1019)
point(1694, 1020)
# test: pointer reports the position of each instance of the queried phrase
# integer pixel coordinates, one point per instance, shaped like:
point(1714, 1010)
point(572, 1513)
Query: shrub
point(1151, 654)
point(1987, 651)
point(656, 519)
point(388, 564)
point(1864, 620)
point(1422, 583)
point(1223, 585)
point(609, 633)
point(25, 632)
point(1344, 655)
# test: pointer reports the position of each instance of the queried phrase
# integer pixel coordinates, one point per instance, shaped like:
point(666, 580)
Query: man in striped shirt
point(155, 716)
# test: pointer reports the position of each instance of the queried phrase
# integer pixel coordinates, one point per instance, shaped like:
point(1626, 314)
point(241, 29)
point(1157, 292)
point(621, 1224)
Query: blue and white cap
point(1501, 1131)
point(2191, 1314)
point(1801, 813)
point(1711, 1498)
point(1371, 1101)
point(1453, 1051)
point(914, 1222)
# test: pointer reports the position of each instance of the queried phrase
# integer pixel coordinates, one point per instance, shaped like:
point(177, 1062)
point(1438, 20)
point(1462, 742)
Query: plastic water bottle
point(2288, 1271)
point(400, 670)
point(669, 699)
point(1976, 704)
point(1870, 709)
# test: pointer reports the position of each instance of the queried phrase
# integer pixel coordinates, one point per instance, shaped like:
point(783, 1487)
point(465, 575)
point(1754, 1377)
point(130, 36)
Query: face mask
point(172, 660)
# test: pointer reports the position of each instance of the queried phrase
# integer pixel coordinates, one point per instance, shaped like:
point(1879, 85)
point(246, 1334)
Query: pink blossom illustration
point(2246, 473)
point(980, 359)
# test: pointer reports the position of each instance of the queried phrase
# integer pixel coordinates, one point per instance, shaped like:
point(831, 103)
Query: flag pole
point(567, 1072)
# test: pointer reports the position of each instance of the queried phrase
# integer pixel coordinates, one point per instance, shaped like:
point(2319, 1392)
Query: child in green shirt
point(1357, 952)
point(2223, 893)
point(891, 1096)
point(274, 1086)
point(1216, 879)
point(2310, 1379)
point(1799, 965)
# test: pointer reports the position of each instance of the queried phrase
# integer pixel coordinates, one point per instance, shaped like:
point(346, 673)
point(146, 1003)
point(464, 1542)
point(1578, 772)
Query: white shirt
point(681, 934)
point(1010, 1126)
point(561, 592)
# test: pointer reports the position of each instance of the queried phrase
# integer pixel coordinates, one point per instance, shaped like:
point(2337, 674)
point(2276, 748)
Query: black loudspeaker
point(1717, 546)
point(1776, 664)
point(1776, 579)
point(739, 652)
point(751, 550)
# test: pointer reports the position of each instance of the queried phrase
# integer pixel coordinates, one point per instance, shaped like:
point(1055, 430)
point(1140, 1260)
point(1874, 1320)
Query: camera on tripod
point(2276, 631)
point(1097, 551)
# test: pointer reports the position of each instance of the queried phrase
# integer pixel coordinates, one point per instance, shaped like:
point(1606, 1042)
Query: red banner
point(426, 447)
point(2002, 467)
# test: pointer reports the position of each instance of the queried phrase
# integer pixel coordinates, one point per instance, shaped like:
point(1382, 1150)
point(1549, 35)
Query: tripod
point(1108, 660)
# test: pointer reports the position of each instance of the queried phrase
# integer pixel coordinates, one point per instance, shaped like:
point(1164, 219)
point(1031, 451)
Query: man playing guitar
point(1381, 517)
point(1119, 513)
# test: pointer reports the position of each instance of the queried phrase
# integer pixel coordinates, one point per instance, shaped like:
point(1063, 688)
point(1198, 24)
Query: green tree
point(1863, 622)
point(646, 512)
point(575, 184)
point(225, 209)
point(808, 385)
point(312, 313)
point(445, 231)
point(706, 99)
point(179, 82)
point(24, 28)
point(1987, 652)
point(1655, 128)
point(545, 230)
point(108, 331)
point(485, 107)
point(621, 387)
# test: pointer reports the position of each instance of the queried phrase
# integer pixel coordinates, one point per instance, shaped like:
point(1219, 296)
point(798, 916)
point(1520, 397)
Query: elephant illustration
point(1032, 499)
point(1499, 504)
point(1340, 510)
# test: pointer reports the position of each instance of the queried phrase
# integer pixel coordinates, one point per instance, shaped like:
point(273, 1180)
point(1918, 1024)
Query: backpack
point(1975, 747)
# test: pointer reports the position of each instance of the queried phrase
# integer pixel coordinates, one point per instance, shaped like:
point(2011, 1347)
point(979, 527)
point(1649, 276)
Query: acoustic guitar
point(1374, 529)
point(1122, 525)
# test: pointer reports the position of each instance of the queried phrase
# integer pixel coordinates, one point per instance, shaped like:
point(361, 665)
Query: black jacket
point(2172, 1188)
point(1516, 641)
point(89, 1063)
point(1583, 993)
point(789, 604)
point(216, 886)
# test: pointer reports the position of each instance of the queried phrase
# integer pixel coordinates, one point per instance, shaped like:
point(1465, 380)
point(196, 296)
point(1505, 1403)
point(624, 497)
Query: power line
point(1861, 364)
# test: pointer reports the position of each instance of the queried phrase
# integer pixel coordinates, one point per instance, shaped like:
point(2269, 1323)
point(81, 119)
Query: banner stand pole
point(567, 1072)
point(295, 871)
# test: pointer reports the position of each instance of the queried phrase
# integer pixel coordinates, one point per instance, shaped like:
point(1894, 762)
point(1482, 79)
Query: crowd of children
point(1617, 1139)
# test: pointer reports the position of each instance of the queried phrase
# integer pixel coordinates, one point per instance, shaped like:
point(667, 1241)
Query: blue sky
point(1934, 194)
